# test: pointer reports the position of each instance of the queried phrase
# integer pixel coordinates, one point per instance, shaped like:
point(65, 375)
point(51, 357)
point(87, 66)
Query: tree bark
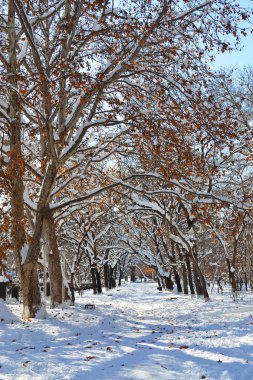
point(94, 282)
point(183, 268)
point(231, 273)
point(189, 273)
point(197, 282)
point(30, 290)
point(168, 283)
point(106, 276)
point(16, 161)
point(72, 289)
point(199, 278)
point(132, 274)
point(54, 266)
point(177, 280)
point(98, 281)
point(111, 278)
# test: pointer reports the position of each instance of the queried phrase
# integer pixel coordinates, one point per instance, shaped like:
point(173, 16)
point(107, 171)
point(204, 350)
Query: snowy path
point(135, 332)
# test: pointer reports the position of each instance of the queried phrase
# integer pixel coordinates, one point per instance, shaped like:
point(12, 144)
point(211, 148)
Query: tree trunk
point(174, 268)
point(30, 290)
point(72, 289)
point(177, 280)
point(189, 273)
point(184, 272)
point(197, 282)
point(132, 274)
point(168, 283)
point(106, 276)
point(111, 278)
point(199, 278)
point(94, 282)
point(15, 169)
point(231, 273)
point(53, 259)
point(120, 276)
point(98, 280)
point(54, 266)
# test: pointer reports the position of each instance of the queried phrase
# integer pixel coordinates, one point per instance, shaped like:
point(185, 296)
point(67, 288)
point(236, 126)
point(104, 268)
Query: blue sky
point(239, 58)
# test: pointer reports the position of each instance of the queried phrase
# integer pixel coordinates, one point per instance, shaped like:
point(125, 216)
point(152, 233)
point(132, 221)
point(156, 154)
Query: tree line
point(119, 144)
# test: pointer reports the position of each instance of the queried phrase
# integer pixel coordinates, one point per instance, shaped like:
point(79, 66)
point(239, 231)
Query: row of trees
point(118, 141)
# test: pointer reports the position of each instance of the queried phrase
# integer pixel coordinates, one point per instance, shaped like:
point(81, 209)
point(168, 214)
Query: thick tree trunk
point(27, 273)
point(34, 247)
point(15, 169)
point(30, 290)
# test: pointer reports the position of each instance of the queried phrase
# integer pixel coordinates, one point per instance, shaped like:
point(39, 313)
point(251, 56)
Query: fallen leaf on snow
point(25, 363)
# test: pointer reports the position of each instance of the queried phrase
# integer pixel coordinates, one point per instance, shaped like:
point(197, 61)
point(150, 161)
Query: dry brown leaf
point(25, 363)
point(183, 347)
point(90, 357)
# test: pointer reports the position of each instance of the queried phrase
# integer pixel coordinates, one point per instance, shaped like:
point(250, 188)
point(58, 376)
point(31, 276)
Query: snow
point(23, 50)
point(134, 332)
point(24, 251)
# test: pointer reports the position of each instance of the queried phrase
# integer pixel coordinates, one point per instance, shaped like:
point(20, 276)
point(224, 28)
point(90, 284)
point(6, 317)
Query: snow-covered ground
point(134, 332)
